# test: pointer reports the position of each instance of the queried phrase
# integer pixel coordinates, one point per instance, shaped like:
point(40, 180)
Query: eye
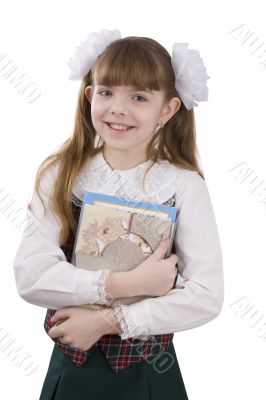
point(102, 91)
point(138, 95)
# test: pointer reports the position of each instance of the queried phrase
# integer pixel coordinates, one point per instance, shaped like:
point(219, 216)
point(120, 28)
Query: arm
point(109, 321)
point(121, 284)
point(198, 298)
point(43, 275)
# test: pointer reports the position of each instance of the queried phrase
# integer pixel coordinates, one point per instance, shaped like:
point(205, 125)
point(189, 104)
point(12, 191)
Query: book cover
point(118, 233)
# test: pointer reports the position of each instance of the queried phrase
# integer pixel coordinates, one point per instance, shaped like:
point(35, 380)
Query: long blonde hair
point(133, 61)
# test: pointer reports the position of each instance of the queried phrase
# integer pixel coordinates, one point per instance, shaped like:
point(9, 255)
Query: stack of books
point(119, 234)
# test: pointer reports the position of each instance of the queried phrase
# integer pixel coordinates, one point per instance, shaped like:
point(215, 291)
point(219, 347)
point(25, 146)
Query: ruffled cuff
point(103, 298)
point(128, 327)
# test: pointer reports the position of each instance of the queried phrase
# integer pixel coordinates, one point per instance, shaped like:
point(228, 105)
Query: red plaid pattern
point(118, 353)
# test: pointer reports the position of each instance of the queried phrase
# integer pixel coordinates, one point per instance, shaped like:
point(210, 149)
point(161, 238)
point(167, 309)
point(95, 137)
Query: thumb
point(161, 249)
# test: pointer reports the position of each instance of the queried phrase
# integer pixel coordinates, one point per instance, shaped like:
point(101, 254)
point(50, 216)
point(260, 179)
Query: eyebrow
point(143, 90)
point(134, 89)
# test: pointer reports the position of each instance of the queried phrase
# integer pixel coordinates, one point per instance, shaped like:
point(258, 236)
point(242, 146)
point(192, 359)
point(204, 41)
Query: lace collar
point(161, 181)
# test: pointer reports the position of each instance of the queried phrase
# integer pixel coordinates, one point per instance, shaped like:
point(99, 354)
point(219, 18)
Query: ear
point(89, 92)
point(170, 108)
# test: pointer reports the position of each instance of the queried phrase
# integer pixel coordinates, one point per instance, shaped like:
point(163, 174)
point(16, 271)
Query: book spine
point(171, 238)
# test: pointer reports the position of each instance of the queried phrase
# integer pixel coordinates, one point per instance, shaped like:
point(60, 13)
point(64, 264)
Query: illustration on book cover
point(119, 234)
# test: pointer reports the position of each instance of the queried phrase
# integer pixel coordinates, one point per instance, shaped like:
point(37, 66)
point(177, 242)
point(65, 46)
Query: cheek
point(95, 113)
point(145, 118)
point(148, 120)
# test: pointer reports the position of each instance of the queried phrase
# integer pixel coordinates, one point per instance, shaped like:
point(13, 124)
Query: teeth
point(119, 127)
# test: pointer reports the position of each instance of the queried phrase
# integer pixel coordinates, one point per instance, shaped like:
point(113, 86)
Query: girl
point(134, 136)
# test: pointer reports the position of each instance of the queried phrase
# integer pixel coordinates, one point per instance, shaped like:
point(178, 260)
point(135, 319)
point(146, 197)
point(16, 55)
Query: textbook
point(117, 233)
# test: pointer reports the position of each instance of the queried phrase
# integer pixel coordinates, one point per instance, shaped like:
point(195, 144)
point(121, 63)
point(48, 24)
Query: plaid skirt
point(95, 380)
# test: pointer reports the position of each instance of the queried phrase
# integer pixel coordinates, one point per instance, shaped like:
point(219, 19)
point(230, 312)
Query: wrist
point(109, 321)
point(122, 284)
point(135, 288)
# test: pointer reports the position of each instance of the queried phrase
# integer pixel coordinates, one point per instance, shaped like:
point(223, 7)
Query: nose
point(118, 112)
point(118, 106)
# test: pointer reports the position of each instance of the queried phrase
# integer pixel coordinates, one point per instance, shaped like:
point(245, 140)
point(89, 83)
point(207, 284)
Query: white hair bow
point(190, 75)
point(88, 51)
point(190, 72)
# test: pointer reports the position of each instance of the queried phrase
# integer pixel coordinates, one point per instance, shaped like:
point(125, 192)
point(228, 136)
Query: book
point(119, 234)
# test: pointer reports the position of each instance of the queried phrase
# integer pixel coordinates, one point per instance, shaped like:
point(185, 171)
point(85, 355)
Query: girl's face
point(126, 118)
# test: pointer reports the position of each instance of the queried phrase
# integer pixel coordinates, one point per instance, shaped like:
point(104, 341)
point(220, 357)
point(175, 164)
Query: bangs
point(128, 64)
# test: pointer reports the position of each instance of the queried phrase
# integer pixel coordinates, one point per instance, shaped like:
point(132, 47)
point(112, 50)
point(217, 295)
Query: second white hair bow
point(190, 72)
point(190, 75)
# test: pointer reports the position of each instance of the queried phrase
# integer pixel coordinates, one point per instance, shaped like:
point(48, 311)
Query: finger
point(63, 340)
point(173, 257)
point(161, 249)
point(54, 332)
point(60, 314)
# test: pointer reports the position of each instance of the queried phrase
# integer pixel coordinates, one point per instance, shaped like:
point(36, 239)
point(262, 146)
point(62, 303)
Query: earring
point(159, 126)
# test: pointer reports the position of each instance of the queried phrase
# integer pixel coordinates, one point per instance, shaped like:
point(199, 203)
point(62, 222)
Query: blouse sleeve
point(43, 275)
point(199, 292)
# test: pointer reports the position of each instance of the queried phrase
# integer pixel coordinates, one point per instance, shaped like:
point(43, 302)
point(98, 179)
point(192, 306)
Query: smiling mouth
point(119, 128)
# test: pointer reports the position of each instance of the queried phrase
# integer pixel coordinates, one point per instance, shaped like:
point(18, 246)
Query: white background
point(224, 359)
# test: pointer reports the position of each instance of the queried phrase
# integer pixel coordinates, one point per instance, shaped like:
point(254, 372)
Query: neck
point(122, 160)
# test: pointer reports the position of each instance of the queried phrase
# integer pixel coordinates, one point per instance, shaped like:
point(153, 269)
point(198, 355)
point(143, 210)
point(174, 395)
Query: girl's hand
point(78, 326)
point(155, 275)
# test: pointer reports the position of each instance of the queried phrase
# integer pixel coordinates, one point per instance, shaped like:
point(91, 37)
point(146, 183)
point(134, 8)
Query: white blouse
point(45, 278)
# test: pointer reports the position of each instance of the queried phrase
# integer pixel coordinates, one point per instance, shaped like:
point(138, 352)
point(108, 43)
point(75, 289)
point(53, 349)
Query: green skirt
point(95, 380)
